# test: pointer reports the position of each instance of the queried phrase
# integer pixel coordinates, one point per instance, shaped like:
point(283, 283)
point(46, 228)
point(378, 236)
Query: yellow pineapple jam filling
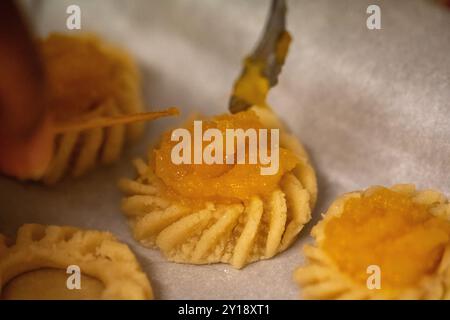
point(80, 74)
point(252, 86)
point(220, 182)
point(387, 229)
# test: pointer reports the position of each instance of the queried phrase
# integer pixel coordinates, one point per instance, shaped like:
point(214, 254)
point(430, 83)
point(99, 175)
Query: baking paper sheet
point(372, 107)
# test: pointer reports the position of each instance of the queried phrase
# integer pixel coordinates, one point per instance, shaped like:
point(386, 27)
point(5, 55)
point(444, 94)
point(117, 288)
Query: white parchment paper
point(372, 107)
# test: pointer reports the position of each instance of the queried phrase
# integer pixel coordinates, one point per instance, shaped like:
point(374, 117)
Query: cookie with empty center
point(45, 261)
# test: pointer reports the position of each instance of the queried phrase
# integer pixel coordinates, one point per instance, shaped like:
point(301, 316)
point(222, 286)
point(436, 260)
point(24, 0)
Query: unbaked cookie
point(36, 265)
point(204, 214)
point(88, 79)
point(382, 243)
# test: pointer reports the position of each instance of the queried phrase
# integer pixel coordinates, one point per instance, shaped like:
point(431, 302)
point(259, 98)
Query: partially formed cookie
point(88, 78)
point(200, 214)
point(381, 243)
point(39, 263)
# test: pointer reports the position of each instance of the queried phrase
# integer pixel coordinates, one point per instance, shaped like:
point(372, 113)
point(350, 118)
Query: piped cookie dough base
point(238, 232)
point(88, 78)
point(402, 231)
point(35, 266)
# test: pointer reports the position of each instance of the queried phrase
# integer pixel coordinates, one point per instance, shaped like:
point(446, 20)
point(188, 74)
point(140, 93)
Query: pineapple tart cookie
point(230, 213)
point(382, 243)
point(89, 83)
point(38, 266)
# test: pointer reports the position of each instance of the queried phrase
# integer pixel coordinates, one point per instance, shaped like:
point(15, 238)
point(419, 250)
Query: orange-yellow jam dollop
point(252, 86)
point(80, 73)
point(387, 229)
point(220, 181)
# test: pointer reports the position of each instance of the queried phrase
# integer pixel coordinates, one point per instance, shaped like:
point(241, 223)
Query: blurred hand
point(26, 138)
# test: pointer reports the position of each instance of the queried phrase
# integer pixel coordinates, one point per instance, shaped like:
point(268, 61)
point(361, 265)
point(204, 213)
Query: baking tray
point(371, 106)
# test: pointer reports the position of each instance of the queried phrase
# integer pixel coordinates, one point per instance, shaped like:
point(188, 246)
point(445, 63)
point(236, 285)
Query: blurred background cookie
point(381, 243)
point(88, 78)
